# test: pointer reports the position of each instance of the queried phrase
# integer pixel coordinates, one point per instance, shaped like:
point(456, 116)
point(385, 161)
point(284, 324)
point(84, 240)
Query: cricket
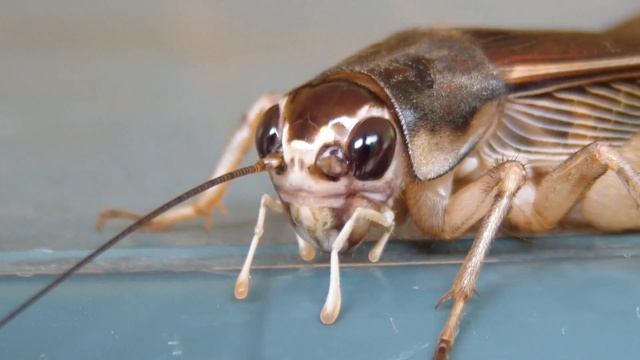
point(458, 131)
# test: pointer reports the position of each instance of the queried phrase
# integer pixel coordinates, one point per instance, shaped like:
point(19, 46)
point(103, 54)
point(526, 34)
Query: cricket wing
point(534, 60)
point(544, 129)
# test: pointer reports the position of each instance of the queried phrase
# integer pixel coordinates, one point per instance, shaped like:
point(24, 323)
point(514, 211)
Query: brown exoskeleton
point(453, 130)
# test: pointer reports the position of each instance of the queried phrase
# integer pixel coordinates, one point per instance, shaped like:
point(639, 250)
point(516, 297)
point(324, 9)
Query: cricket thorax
point(340, 150)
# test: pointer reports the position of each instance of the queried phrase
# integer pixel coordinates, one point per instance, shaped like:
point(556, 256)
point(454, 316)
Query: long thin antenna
point(257, 167)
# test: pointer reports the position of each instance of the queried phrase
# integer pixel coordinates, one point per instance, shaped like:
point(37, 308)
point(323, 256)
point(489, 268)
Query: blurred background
point(125, 104)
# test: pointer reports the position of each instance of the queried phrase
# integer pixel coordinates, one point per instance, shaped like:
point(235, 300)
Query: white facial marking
point(468, 165)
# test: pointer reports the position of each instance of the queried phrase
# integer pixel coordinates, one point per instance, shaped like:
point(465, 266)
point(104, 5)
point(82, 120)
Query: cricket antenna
point(261, 165)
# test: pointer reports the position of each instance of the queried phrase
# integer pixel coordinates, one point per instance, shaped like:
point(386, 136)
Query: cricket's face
point(341, 150)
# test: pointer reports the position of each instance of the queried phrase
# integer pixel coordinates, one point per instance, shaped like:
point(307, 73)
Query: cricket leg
point(449, 216)
point(242, 283)
point(202, 206)
point(555, 196)
point(331, 308)
point(561, 189)
point(607, 205)
point(499, 198)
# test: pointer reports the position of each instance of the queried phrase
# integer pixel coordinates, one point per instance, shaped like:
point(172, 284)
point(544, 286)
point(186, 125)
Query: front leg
point(203, 205)
point(488, 198)
point(512, 178)
point(556, 194)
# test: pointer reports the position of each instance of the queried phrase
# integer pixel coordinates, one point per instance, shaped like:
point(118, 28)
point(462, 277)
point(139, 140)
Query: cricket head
point(340, 149)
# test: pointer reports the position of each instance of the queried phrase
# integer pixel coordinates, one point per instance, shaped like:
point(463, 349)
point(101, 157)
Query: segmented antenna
point(261, 165)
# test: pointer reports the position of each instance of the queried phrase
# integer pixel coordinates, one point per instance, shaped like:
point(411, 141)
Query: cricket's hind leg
point(600, 177)
point(608, 205)
point(202, 207)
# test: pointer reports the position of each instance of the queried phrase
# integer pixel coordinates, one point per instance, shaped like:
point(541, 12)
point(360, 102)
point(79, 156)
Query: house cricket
point(454, 130)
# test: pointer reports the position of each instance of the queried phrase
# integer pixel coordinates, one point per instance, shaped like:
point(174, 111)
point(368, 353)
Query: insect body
point(453, 130)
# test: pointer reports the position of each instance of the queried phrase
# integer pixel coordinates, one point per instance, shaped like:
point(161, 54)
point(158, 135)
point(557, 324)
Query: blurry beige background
point(122, 103)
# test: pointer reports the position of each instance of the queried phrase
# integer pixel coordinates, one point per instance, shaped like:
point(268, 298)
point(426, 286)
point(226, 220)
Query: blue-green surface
point(535, 310)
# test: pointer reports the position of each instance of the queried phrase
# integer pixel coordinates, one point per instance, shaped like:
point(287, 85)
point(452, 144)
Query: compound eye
point(268, 133)
point(371, 147)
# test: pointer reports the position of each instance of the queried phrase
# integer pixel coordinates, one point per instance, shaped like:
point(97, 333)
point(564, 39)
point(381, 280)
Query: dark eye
point(268, 133)
point(371, 148)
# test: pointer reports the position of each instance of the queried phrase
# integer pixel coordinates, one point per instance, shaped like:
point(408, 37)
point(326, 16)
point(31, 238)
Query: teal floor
point(534, 310)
